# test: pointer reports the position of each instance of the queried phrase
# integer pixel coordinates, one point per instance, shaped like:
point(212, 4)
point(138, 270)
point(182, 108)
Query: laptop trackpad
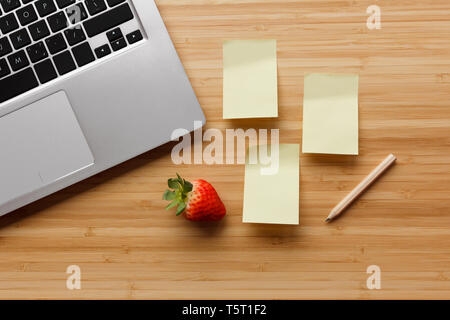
point(40, 144)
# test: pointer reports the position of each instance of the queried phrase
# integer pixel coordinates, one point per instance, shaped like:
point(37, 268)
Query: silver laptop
point(84, 85)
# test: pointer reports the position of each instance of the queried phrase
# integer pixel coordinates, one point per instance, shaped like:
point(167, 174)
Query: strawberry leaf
point(169, 195)
point(172, 183)
point(188, 187)
point(172, 204)
point(181, 208)
point(178, 193)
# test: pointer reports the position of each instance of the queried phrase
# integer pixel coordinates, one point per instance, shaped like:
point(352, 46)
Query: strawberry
point(198, 200)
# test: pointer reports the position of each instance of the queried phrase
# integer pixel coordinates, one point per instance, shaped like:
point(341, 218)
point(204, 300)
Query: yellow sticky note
point(250, 85)
point(330, 114)
point(273, 196)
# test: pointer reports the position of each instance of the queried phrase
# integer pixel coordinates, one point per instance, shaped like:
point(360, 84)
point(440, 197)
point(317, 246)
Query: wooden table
point(115, 228)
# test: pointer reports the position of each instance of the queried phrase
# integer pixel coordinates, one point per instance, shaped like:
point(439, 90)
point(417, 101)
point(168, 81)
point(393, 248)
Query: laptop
point(84, 86)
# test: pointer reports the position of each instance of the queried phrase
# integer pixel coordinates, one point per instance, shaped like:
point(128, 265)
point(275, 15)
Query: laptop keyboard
point(42, 40)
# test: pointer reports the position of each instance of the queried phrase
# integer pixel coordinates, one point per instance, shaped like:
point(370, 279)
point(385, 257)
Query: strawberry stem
point(177, 193)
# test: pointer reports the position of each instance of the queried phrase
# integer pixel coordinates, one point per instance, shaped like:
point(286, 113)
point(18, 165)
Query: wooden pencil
point(362, 187)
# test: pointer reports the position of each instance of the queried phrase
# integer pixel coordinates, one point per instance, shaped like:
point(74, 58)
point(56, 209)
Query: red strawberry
point(198, 200)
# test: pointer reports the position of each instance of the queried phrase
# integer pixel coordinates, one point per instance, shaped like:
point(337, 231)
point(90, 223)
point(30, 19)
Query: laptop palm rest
point(40, 144)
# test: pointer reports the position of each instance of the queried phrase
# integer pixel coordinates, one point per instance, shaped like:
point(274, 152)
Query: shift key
point(108, 20)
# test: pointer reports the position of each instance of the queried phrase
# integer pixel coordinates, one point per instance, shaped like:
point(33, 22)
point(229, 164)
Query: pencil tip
point(328, 220)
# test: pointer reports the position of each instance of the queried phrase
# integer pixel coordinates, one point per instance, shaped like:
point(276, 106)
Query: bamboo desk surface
point(114, 227)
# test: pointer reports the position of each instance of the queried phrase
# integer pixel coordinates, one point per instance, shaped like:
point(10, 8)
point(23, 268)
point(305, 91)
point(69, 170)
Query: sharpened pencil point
point(327, 220)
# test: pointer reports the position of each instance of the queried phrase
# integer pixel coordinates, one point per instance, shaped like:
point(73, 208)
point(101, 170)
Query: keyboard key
point(17, 84)
point(45, 7)
point(75, 35)
point(83, 54)
point(39, 30)
point(58, 21)
point(113, 3)
point(108, 20)
point(64, 3)
point(4, 68)
point(134, 37)
point(95, 6)
point(118, 44)
point(76, 13)
point(114, 34)
point(8, 23)
point(37, 52)
point(27, 15)
point(64, 62)
point(20, 39)
point(102, 51)
point(9, 5)
point(18, 60)
point(45, 71)
point(5, 46)
point(56, 43)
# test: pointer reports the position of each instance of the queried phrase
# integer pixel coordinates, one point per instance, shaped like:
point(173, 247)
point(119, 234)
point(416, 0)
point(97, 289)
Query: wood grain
point(114, 227)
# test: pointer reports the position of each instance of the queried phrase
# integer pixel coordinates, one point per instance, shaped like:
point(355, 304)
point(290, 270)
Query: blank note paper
point(330, 114)
point(250, 87)
point(273, 198)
